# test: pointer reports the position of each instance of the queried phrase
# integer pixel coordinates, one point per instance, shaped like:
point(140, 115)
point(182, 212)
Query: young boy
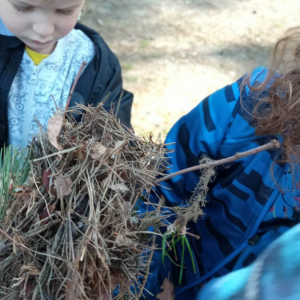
point(40, 56)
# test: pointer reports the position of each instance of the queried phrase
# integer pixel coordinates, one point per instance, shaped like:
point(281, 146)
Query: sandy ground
point(176, 52)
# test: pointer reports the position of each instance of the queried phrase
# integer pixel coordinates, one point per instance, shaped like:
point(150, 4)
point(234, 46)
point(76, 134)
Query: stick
point(273, 144)
point(74, 84)
point(56, 153)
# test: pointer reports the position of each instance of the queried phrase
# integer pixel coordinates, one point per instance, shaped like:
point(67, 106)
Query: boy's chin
point(42, 48)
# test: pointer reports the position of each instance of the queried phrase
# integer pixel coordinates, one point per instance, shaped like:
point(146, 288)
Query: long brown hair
point(279, 111)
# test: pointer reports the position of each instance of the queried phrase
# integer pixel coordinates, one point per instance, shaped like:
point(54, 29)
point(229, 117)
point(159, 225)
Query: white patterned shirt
point(34, 87)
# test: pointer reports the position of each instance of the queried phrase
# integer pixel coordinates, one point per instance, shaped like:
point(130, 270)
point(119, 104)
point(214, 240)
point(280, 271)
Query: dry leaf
point(97, 150)
point(120, 187)
point(123, 240)
point(119, 144)
point(54, 127)
point(46, 213)
point(168, 291)
point(82, 152)
point(46, 179)
point(64, 185)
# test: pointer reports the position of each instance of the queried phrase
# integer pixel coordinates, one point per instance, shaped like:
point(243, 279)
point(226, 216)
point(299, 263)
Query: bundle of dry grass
point(65, 234)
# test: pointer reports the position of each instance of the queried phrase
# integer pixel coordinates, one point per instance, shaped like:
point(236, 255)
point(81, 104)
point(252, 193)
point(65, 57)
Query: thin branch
point(74, 85)
point(273, 144)
point(8, 236)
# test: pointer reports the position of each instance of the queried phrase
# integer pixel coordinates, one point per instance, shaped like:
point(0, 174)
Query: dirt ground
point(176, 52)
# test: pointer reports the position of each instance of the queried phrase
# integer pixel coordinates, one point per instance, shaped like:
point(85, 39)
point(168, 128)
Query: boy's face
point(40, 24)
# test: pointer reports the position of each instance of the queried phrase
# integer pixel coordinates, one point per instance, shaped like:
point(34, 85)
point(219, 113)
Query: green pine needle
point(174, 247)
point(184, 242)
point(182, 259)
point(14, 171)
point(191, 253)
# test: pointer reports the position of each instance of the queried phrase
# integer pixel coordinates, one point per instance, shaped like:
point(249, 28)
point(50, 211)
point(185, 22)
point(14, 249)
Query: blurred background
point(174, 53)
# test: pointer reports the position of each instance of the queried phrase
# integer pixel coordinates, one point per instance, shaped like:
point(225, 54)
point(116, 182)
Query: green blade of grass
point(182, 260)
point(14, 169)
point(174, 247)
point(173, 260)
point(191, 253)
point(164, 249)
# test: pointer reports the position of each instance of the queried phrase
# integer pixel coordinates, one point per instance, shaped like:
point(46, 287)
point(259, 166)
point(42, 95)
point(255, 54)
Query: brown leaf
point(64, 185)
point(97, 150)
point(168, 291)
point(54, 127)
point(46, 179)
point(47, 212)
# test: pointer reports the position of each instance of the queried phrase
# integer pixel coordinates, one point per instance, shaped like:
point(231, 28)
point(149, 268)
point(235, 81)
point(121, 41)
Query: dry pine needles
point(65, 233)
point(74, 230)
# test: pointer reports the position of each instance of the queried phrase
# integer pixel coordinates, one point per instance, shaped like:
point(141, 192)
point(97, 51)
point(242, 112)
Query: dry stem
point(273, 144)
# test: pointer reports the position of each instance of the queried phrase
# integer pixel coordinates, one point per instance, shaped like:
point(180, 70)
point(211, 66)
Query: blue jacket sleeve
point(200, 134)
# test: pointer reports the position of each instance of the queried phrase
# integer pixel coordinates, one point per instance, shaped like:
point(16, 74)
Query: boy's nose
point(43, 28)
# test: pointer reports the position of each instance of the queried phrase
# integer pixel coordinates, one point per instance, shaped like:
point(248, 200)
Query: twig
point(74, 84)
point(8, 236)
point(56, 153)
point(273, 144)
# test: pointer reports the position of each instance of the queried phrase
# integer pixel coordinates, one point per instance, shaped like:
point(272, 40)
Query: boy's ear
point(83, 9)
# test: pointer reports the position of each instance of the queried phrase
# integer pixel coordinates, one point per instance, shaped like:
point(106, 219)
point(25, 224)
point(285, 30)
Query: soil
point(174, 53)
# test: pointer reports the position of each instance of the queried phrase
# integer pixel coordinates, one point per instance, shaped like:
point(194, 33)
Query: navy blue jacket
point(245, 210)
point(101, 78)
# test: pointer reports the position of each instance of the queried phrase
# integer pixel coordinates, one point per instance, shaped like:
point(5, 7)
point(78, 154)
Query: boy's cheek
point(65, 28)
point(14, 26)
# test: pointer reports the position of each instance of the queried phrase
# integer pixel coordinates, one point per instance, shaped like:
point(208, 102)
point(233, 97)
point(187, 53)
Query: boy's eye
point(65, 12)
point(23, 8)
